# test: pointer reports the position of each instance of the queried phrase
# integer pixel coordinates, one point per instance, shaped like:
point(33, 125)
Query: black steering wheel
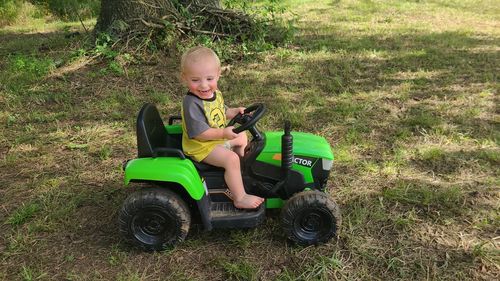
point(247, 120)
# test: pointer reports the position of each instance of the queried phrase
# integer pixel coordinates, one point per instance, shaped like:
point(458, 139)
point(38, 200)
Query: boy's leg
point(228, 160)
point(239, 143)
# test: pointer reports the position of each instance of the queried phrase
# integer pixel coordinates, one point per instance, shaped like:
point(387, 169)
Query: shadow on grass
point(444, 162)
point(12, 43)
point(396, 84)
point(372, 63)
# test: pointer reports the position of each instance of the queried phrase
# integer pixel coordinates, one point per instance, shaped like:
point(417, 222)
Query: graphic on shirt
point(216, 117)
point(214, 113)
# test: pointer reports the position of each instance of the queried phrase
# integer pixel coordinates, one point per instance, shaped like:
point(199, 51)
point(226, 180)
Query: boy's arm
point(231, 112)
point(217, 134)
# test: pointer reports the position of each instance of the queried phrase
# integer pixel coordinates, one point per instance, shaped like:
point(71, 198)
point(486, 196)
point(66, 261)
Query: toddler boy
point(205, 137)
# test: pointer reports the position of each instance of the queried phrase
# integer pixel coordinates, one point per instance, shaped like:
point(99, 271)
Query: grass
point(404, 91)
point(23, 213)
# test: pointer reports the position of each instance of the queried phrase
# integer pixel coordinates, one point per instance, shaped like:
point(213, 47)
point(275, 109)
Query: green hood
point(304, 144)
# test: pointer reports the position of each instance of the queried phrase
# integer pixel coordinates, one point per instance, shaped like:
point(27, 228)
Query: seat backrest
point(151, 133)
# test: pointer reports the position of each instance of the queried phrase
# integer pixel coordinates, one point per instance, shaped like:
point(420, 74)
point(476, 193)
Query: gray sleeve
point(194, 117)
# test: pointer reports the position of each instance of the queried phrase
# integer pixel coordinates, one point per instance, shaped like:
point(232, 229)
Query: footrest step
point(225, 215)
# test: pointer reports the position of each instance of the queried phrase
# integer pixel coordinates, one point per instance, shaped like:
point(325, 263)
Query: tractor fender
point(166, 169)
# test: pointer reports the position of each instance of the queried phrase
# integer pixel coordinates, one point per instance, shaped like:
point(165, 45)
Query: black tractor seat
point(204, 167)
point(153, 140)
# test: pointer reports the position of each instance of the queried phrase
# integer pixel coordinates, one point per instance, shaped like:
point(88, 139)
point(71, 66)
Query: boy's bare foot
point(248, 201)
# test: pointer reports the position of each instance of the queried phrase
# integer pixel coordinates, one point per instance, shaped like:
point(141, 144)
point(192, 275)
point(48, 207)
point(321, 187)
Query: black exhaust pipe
point(291, 181)
point(286, 151)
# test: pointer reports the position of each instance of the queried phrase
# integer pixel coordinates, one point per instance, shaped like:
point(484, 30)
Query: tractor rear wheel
point(310, 217)
point(154, 219)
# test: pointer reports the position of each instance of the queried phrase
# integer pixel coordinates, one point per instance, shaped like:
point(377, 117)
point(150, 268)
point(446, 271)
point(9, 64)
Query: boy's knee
point(232, 160)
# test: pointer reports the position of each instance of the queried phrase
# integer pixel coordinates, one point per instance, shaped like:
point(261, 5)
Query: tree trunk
point(117, 15)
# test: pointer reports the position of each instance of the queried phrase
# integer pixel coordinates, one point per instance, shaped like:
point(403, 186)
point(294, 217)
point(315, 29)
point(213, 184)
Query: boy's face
point(201, 77)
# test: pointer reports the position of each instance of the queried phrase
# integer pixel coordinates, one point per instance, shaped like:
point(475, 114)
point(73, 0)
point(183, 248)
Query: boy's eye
point(210, 78)
point(194, 80)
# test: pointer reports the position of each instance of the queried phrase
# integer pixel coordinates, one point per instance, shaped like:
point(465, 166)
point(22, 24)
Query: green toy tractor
point(289, 170)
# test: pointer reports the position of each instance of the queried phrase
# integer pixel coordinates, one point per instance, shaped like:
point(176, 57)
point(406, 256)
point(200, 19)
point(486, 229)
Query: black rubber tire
point(154, 219)
point(310, 218)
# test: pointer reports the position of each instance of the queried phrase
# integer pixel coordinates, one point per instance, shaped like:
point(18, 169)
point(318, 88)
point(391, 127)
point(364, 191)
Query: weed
point(116, 68)
point(105, 152)
point(240, 270)
point(23, 213)
point(28, 274)
point(322, 268)
point(22, 70)
point(30, 65)
point(104, 46)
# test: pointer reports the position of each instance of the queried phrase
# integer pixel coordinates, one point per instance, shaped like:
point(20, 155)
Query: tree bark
point(117, 15)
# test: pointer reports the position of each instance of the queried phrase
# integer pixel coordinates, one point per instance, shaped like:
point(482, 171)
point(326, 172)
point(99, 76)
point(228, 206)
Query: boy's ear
point(182, 78)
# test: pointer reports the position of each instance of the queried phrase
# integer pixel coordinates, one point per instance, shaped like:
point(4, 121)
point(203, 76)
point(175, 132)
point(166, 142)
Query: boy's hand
point(231, 112)
point(227, 133)
point(240, 110)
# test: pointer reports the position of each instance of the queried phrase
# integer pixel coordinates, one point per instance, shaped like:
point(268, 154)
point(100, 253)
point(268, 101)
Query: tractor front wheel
point(154, 219)
point(310, 217)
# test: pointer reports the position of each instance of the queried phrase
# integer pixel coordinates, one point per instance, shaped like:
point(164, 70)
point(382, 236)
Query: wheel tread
point(309, 199)
point(159, 197)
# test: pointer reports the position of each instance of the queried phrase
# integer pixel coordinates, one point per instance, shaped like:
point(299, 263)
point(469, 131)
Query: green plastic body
point(305, 145)
point(166, 169)
point(174, 129)
point(184, 174)
point(274, 203)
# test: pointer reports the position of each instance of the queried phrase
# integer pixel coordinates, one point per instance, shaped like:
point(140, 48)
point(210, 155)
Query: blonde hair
point(195, 54)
